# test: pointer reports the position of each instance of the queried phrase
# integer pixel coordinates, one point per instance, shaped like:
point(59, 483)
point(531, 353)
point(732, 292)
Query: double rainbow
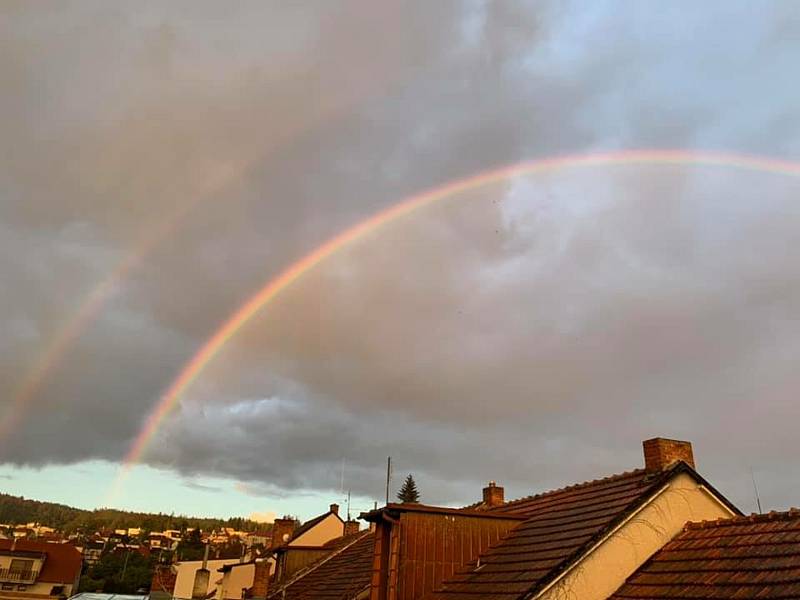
point(295, 271)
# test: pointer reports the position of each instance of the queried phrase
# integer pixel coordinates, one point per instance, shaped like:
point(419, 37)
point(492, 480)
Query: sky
point(160, 163)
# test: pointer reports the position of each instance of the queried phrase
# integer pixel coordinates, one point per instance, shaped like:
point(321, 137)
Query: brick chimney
point(260, 586)
point(351, 527)
point(282, 528)
point(493, 494)
point(335, 509)
point(661, 453)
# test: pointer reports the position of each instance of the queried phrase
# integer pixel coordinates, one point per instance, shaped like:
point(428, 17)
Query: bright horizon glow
point(274, 286)
point(160, 490)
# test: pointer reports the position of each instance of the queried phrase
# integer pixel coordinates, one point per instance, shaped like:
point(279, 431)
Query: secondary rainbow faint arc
point(296, 270)
point(32, 380)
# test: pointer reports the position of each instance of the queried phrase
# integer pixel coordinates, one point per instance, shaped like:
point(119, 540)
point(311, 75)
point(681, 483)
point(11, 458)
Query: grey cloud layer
point(531, 332)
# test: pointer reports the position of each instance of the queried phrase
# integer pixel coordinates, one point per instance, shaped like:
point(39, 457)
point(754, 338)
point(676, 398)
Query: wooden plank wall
point(433, 546)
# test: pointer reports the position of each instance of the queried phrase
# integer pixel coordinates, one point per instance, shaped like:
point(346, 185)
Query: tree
point(118, 573)
point(408, 493)
point(191, 546)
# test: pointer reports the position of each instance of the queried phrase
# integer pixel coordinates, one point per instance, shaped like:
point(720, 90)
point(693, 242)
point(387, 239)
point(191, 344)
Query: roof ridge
point(573, 486)
point(787, 515)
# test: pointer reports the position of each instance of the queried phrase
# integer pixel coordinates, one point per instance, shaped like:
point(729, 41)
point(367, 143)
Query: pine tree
point(408, 493)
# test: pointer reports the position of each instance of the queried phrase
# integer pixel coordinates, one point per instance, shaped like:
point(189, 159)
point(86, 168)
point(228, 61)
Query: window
point(20, 568)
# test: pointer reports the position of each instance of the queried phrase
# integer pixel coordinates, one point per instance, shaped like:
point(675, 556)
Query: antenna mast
point(755, 489)
point(388, 477)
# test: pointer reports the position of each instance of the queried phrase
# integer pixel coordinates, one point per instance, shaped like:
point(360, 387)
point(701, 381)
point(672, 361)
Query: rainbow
point(98, 297)
point(220, 176)
point(295, 271)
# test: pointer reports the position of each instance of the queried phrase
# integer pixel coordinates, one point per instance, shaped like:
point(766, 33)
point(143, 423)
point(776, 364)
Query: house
point(92, 550)
point(159, 541)
point(582, 541)
point(342, 574)
point(36, 570)
point(742, 557)
point(186, 575)
point(661, 531)
point(296, 547)
point(346, 571)
point(258, 538)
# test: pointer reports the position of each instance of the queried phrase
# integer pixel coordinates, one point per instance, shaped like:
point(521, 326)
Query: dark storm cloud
point(532, 332)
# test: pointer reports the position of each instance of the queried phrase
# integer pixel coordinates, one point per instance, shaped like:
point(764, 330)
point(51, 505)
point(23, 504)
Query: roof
point(63, 562)
point(339, 576)
point(743, 557)
point(559, 527)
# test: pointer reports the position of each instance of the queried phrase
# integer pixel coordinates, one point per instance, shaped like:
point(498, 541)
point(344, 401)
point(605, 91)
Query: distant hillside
point(16, 510)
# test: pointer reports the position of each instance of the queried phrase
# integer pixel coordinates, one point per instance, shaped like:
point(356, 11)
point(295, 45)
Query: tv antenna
point(755, 489)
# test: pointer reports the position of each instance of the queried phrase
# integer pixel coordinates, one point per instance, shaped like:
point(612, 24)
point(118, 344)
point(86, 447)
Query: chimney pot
point(662, 453)
point(493, 495)
point(335, 509)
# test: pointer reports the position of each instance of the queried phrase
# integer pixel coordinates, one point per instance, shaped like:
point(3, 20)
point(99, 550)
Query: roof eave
point(394, 510)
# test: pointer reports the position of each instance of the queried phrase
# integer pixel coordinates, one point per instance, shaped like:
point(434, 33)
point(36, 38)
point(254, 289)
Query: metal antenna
point(348, 505)
point(388, 477)
point(755, 489)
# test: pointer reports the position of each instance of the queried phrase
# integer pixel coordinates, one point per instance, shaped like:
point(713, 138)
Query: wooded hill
point(19, 510)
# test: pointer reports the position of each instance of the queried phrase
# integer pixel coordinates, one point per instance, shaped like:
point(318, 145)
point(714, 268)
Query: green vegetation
point(118, 573)
point(408, 493)
point(16, 510)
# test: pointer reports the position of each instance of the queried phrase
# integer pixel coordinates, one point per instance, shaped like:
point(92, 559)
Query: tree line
point(17, 510)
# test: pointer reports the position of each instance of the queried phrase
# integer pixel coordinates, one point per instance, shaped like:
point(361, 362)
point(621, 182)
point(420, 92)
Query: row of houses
point(25, 531)
point(658, 532)
point(292, 547)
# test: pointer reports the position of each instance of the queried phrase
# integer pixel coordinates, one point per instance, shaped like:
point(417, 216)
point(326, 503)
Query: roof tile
point(743, 557)
point(558, 526)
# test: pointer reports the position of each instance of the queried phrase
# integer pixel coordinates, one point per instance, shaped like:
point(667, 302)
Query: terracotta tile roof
point(559, 527)
point(339, 576)
point(63, 562)
point(744, 557)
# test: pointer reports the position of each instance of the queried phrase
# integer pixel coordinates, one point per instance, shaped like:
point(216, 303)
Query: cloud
point(200, 487)
point(531, 332)
point(262, 517)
